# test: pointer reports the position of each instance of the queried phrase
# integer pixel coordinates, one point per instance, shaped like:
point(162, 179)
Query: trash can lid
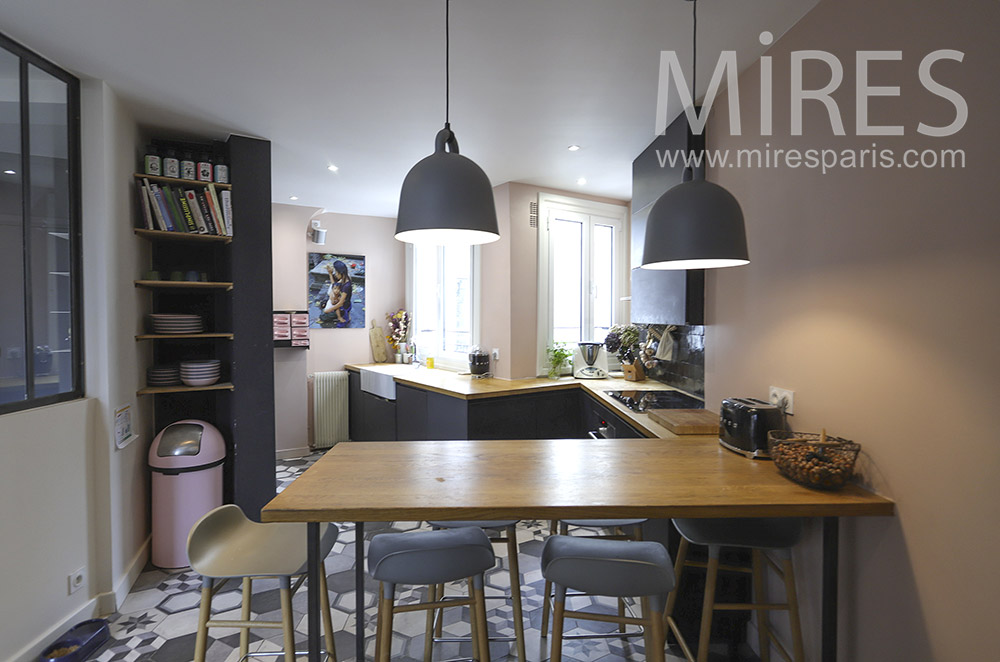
point(185, 444)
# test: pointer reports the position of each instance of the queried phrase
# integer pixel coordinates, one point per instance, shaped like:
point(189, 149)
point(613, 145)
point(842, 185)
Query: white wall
point(874, 295)
point(70, 499)
point(370, 236)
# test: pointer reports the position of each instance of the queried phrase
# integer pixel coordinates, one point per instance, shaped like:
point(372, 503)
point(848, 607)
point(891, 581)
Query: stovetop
point(641, 400)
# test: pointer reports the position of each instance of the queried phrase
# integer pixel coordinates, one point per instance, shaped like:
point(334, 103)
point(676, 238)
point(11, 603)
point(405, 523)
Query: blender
point(590, 361)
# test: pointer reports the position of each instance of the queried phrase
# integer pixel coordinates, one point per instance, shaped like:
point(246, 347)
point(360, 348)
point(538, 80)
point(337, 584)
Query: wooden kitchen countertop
point(465, 387)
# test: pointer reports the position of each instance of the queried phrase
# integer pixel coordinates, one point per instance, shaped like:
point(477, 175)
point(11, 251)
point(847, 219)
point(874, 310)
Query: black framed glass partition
point(41, 350)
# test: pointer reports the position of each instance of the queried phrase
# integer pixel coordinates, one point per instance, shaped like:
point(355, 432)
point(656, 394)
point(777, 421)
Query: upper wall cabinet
point(663, 297)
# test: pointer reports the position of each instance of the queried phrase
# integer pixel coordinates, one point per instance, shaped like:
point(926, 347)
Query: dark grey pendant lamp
point(696, 224)
point(446, 198)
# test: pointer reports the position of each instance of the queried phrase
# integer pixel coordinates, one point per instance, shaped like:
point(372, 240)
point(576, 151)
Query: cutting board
point(686, 421)
point(378, 343)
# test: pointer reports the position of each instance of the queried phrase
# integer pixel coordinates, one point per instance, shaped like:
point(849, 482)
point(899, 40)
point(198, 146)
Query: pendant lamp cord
point(447, 63)
point(694, 49)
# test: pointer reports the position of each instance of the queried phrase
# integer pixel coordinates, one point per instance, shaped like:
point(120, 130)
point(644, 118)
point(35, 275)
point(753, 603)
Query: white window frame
point(550, 204)
point(450, 360)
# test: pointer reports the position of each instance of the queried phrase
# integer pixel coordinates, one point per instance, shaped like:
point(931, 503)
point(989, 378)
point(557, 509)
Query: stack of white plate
point(175, 323)
point(163, 375)
point(201, 373)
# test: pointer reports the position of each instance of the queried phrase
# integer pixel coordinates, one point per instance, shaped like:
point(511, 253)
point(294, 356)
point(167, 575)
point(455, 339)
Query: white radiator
point(330, 408)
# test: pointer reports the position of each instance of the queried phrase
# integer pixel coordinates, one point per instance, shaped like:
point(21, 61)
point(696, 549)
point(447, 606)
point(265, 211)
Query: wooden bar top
point(551, 478)
point(464, 386)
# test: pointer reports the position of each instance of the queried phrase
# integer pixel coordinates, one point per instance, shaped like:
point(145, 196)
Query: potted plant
point(623, 340)
point(558, 355)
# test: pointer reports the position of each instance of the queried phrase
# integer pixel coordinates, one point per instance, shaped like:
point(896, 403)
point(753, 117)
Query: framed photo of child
point(336, 291)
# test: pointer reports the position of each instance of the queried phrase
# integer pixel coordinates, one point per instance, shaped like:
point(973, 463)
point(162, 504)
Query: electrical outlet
point(76, 580)
point(782, 396)
point(496, 354)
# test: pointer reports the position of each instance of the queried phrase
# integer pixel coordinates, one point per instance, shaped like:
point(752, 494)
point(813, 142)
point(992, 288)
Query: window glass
point(13, 385)
point(567, 279)
point(40, 308)
point(603, 276)
point(444, 306)
point(49, 225)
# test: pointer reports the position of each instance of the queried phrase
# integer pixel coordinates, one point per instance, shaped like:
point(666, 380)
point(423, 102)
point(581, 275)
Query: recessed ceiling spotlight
point(9, 172)
point(574, 148)
point(293, 197)
point(332, 168)
point(582, 181)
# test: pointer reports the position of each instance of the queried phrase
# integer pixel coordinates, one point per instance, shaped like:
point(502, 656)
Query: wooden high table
point(552, 479)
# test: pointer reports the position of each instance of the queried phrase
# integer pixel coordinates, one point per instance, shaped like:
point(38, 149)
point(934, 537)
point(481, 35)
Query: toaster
point(744, 424)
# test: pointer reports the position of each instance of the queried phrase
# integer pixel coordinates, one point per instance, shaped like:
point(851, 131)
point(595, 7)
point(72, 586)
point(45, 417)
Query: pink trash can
point(186, 464)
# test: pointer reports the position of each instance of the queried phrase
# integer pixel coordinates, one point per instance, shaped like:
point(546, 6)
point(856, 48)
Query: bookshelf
point(234, 303)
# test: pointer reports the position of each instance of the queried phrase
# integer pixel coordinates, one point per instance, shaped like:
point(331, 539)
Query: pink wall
point(370, 236)
point(873, 294)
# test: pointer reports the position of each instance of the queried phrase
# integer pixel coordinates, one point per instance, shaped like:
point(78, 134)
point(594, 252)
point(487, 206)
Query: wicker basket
point(804, 458)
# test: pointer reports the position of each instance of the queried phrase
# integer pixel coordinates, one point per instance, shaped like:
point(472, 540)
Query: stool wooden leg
point(429, 630)
point(760, 597)
point(383, 636)
point(682, 551)
point(557, 623)
point(793, 610)
point(204, 610)
point(515, 592)
point(286, 618)
point(647, 633)
point(708, 607)
point(324, 605)
point(658, 643)
point(245, 616)
point(547, 594)
point(439, 628)
point(480, 633)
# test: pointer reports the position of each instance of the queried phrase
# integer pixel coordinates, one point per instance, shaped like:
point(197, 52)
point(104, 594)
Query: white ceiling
point(360, 83)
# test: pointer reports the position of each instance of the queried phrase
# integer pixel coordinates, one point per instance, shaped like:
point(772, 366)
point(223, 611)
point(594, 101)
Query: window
point(40, 348)
point(443, 295)
point(581, 272)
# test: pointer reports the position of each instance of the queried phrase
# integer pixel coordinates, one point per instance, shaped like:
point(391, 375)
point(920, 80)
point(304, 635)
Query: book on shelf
point(161, 205)
point(186, 211)
point(175, 213)
point(206, 212)
point(147, 213)
point(199, 220)
point(227, 210)
point(220, 222)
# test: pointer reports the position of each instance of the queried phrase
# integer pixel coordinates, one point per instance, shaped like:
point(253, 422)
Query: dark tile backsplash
point(686, 370)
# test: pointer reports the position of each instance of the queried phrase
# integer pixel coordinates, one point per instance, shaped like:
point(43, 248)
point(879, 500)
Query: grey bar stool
point(429, 558)
point(616, 568)
point(766, 534)
point(225, 545)
point(624, 529)
point(509, 527)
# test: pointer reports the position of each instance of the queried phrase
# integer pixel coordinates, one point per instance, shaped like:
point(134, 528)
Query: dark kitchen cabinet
point(663, 297)
point(600, 420)
point(411, 413)
point(371, 418)
point(549, 415)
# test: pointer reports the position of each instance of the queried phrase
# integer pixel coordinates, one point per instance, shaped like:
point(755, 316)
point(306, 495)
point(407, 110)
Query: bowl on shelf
point(201, 373)
point(813, 459)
